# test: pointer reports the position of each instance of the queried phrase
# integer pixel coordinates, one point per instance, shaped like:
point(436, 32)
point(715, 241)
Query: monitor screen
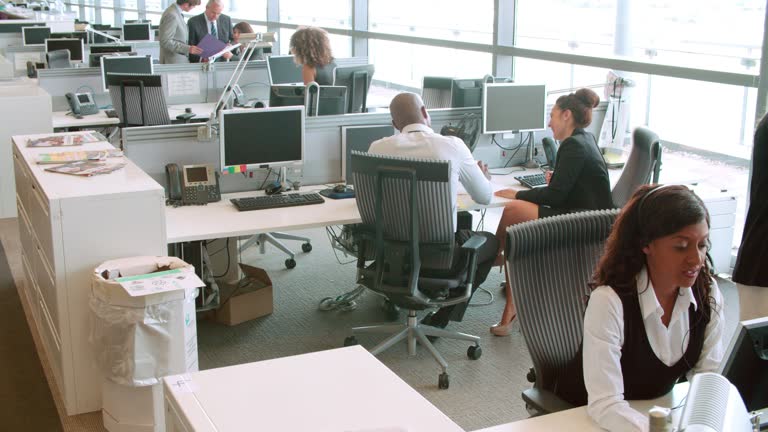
point(467, 93)
point(359, 138)
point(34, 36)
point(513, 107)
point(137, 32)
point(124, 65)
point(75, 47)
point(100, 49)
point(745, 363)
point(283, 70)
point(261, 138)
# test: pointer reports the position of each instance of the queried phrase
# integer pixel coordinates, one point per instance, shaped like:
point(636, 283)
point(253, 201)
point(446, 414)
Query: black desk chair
point(58, 59)
point(138, 99)
point(550, 263)
point(407, 230)
point(643, 165)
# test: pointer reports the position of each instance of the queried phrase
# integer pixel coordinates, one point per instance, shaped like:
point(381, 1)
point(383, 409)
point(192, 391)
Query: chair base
point(274, 238)
point(411, 331)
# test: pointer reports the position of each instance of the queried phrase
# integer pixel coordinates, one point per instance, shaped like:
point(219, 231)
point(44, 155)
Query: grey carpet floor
point(26, 403)
point(482, 393)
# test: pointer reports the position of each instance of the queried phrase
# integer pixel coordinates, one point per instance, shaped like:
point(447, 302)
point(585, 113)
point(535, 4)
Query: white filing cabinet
point(722, 213)
point(68, 225)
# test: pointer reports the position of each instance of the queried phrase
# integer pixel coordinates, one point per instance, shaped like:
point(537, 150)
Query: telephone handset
point(192, 184)
point(82, 104)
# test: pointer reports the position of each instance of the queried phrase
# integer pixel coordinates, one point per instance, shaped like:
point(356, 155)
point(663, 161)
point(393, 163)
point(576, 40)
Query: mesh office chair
point(274, 238)
point(138, 99)
point(58, 59)
point(550, 262)
point(407, 223)
point(643, 165)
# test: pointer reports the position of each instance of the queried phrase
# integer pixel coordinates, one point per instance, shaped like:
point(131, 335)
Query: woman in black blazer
point(579, 181)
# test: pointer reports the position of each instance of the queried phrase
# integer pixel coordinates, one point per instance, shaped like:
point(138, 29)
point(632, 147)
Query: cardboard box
point(251, 298)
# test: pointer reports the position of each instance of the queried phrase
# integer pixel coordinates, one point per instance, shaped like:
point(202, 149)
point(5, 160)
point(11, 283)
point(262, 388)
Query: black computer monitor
point(359, 138)
point(75, 47)
point(261, 138)
point(137, 32)
point(286, 95)
point(110, 48)
point(467, 93)
point(35, 36)
point(357, 80)
point(745, 364)
point(514, 107)
point(283, 70)
point(124, 65)
point(326, 100)
point(94, 60)
point(14, 26)
point(61, 35)
point(80, 35)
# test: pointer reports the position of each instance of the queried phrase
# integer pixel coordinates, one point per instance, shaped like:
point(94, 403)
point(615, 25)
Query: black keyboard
point(275, 201)
point(532, 180)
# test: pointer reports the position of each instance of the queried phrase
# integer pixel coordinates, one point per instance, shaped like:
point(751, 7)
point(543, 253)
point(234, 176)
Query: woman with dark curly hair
point(655, 313)
point(312, 49)
point(579, 181)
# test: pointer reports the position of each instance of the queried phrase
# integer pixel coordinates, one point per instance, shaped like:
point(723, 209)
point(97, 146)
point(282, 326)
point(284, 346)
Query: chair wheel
point(350, 340)
point(306, 247)
point(474, 352)
point(531, 375)
point(290, 263)
point(443, 381)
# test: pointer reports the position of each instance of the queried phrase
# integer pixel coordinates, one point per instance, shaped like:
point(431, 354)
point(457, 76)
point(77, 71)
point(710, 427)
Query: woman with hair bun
point(312, 49)
point(579, 181)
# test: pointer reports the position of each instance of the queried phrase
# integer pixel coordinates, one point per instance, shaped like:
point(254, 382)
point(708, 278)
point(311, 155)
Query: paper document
point(210, 46)
point(158, 282)
point(183, 84)
point(226, 49)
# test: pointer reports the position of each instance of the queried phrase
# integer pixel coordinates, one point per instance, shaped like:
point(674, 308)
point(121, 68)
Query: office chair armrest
point(474, 243)
point(544, 401)
point(472, 247)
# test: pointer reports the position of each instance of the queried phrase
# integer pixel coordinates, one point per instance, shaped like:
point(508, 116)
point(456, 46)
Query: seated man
point(418, 140)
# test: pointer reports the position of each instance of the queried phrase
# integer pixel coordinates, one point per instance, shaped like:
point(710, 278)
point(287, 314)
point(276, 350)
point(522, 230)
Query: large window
point(248, 9)
point(130, 11)
point(108, 12)
point(154, 10)
point(439, 19)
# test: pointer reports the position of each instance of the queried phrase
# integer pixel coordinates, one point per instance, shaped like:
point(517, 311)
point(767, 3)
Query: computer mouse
point(188, 110)
point(340, 188)
point(79, 117)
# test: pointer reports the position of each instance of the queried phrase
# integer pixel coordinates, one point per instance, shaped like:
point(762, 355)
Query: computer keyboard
point(532, 180)
point(275, 201)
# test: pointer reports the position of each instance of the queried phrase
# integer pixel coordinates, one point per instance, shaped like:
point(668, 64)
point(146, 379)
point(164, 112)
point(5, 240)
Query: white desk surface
point(344, 389)
point(62, 120)
point(577, 419)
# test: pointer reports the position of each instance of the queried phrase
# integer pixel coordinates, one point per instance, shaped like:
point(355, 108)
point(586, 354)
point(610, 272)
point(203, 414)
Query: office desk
point(63, 120)
point(344, 389)
point(577, 419)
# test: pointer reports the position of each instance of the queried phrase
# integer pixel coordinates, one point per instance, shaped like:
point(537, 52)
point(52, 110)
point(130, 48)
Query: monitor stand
point(530, 162)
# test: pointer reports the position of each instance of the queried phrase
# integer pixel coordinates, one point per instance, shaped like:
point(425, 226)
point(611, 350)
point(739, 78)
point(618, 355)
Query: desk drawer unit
point(722, 213)
point(69, 225)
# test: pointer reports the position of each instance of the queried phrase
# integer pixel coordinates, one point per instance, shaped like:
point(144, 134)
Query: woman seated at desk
point(655, 313)
point(579, 181)
point(312, 50)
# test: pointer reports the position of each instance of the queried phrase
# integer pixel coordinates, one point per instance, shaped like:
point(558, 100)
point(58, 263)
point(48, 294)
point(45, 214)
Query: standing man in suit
point(211, 22)
point(174, 46)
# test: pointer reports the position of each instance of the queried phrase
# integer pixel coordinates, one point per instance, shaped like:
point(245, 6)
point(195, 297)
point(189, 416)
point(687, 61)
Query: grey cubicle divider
point(19, 55)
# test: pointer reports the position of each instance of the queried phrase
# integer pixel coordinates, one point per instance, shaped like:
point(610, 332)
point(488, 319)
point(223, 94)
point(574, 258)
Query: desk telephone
point(192, 184)
point(82, 104)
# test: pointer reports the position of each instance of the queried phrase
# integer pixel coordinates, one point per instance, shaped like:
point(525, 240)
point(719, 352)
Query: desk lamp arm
point(102, 34)
point(226, 95)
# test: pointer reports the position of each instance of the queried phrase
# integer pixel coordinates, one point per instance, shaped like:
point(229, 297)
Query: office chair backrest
point(436, 92)
point(411, 201)
point(138, 99)
point(642, 166)
point(551, 262)
point(58, 59)
point(550, 150)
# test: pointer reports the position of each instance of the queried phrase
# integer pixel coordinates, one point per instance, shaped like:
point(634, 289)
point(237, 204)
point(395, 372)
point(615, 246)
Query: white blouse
point(604, 337)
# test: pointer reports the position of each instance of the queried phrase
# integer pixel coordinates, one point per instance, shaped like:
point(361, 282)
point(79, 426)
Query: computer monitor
point(357, 80)
point(35, 36)
point(124, 65)
point(75, 47)
point(436, 92)
point(286, 95)
point(261, 138)
point(61, 35)
point(467, 93)
point(80, 35)
point(110, 48)
point(283, 70)
point(513, 107)
point(16, 26)
point(137, 32)
point(745, 364)
point(326, 100)
point(94, 60)
point(359, 138)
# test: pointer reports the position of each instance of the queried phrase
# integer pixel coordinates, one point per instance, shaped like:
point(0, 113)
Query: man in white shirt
point(211, 22)
point(418, 140)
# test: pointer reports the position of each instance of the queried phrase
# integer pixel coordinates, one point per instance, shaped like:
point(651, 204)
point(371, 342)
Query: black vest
point(644, 375)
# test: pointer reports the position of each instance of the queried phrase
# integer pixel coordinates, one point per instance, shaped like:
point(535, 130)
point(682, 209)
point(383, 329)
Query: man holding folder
point(211, 22)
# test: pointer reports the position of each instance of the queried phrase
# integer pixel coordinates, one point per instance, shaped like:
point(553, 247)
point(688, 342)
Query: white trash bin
point(143, 328)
